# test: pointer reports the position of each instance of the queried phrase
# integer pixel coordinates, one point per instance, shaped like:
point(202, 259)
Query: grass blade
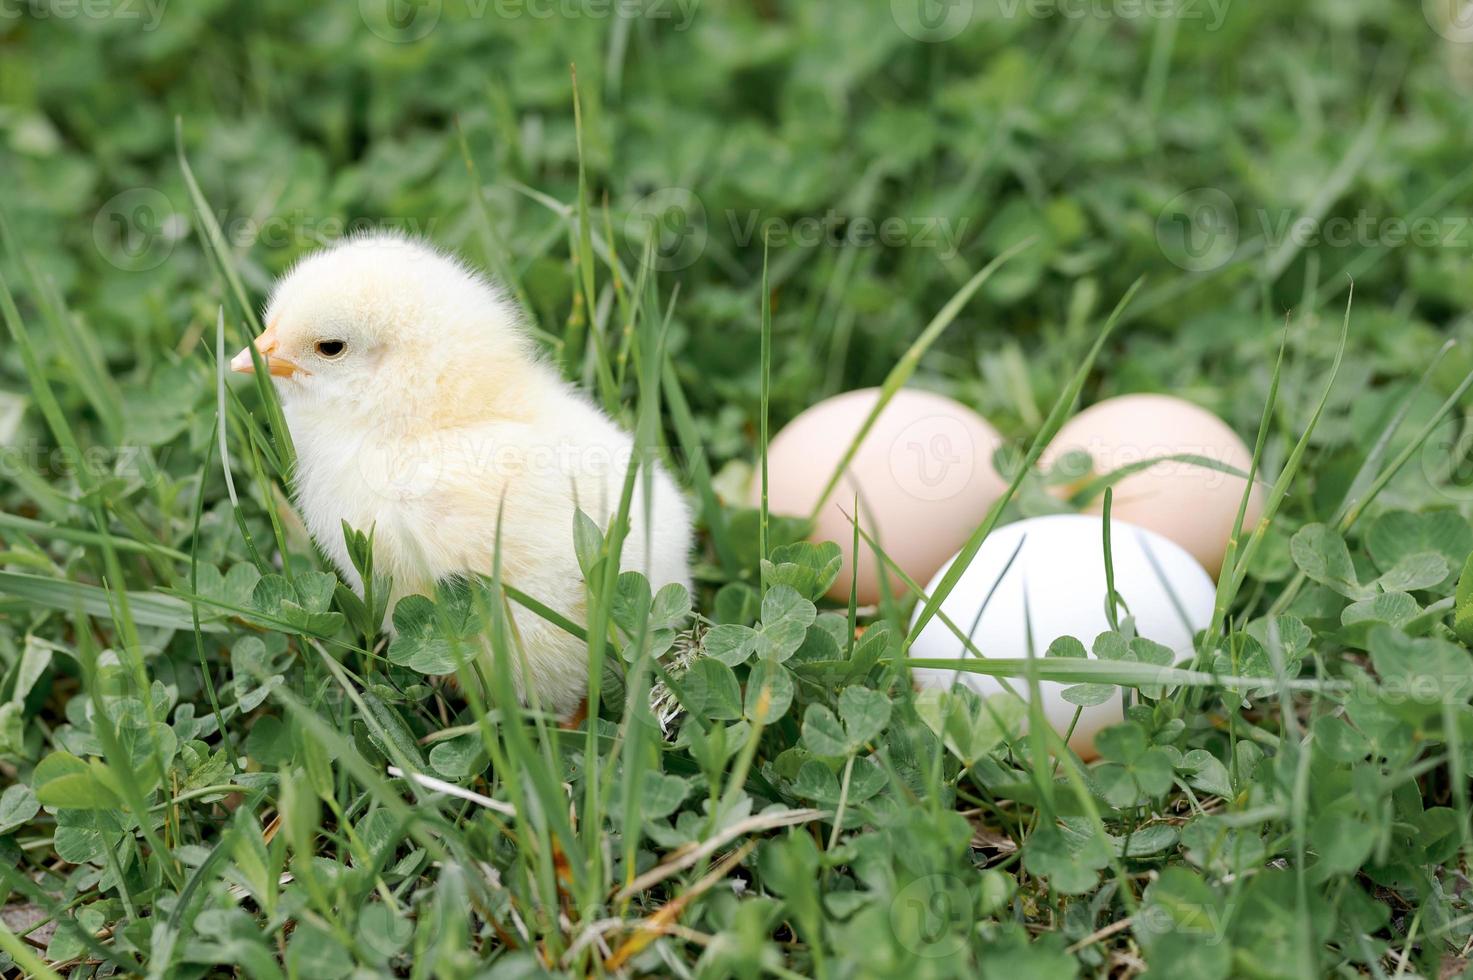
point(1055, 421)
point(909, 361)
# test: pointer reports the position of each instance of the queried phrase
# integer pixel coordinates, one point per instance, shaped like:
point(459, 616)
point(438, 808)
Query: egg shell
point(924, 476)
point(1191, 504)
point(1060, 572)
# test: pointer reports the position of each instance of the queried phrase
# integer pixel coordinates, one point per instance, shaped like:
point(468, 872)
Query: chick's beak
point(265, 345)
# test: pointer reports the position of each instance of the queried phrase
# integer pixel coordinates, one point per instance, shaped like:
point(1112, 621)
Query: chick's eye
point(332, 348)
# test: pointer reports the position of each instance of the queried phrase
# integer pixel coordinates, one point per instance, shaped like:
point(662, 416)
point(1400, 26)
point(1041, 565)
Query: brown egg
point(924, 477)
point(1190, 504)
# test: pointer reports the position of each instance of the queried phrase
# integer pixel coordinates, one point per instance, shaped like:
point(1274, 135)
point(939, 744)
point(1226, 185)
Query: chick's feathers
point(439, 422)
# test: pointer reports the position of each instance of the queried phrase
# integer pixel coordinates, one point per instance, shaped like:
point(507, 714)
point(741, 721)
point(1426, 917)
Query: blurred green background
point(1179, 142)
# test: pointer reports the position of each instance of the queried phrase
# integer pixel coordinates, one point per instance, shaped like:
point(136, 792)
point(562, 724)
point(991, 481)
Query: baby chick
point(420, 409)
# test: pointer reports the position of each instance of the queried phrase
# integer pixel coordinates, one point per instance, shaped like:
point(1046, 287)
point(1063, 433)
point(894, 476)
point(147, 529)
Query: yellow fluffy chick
point(420, 408)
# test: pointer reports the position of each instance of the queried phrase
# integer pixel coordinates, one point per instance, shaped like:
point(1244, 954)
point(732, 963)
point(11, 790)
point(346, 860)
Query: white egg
point(1058, 577)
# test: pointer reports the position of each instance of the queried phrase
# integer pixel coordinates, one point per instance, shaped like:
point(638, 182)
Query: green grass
point(211, 760)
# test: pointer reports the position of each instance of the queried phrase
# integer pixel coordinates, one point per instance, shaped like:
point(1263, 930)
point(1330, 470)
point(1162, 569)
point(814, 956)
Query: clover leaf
point(300, 605)
point(1070, 863)
point(428, 635)
point(808, 568)
point(1135, 770)
point(863, 714)
point(786, 616)
point(658, 617)
point(1321, 554)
